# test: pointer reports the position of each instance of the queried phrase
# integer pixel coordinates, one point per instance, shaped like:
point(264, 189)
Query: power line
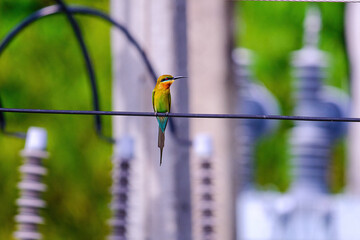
point(180, 115)
point(345, 1)
point(88, 63)
point(68, 10)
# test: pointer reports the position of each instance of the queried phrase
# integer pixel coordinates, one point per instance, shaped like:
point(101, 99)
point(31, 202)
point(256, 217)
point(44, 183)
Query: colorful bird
point(161, 100)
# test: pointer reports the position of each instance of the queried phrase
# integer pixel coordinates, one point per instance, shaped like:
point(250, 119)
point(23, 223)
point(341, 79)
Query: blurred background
point(221, 179)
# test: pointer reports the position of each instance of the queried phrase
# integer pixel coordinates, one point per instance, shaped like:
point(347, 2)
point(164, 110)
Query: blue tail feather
point(162, 123)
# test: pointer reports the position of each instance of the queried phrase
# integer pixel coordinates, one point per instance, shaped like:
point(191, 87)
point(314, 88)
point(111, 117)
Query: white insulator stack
point(120, 189)
point(31, 186)
point(205, 190)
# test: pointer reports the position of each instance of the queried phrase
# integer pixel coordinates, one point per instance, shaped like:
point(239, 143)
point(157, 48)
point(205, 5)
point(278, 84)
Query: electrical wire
point(335, 1)
point(89, 67)
point(181, 115)
point(55, 9)
point(51, 10)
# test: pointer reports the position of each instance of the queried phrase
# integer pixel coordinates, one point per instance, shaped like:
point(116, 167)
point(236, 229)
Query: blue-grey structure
point(252, 98)
point(310, 214)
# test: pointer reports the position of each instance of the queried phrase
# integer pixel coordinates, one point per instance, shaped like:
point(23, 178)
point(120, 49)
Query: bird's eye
point(166, 78)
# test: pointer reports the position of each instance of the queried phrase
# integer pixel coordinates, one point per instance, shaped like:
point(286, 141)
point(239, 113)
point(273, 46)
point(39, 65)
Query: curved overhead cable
point(183, 115)
point(89, 67)
point(55, 9)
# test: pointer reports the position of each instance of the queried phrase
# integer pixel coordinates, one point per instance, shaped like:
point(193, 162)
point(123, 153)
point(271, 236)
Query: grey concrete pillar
point(353, 46)
point(160, 28)
point(212, 91)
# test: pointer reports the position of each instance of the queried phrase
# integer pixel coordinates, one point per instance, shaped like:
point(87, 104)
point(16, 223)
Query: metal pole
point(31, 185)
point(182, 164)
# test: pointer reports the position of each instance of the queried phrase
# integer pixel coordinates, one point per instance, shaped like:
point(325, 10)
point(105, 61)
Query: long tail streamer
point(161, 143)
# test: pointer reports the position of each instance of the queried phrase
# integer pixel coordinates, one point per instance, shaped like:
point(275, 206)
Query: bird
point(161, 100)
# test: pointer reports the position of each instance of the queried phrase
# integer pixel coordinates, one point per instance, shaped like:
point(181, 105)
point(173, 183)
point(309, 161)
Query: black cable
point(55, 9)
point(123, 29)
point(51, 10)
point(89, 67)
point(3, 124)
point(2, 118)
point(131, 39)
point(321, 1)
point(181, 115)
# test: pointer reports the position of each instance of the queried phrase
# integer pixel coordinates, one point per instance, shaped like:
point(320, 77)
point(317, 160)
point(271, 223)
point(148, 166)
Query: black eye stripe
point(166, 78)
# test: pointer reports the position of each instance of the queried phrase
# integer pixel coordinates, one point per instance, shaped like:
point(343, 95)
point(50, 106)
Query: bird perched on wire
point(161, 100)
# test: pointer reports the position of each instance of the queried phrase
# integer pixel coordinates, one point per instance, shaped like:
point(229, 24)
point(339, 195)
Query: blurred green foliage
point(43, 68)
point(273, 30)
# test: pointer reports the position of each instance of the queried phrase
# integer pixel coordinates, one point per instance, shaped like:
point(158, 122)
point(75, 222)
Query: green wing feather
point(153, 96)
point(162, 124)
point(169, 101)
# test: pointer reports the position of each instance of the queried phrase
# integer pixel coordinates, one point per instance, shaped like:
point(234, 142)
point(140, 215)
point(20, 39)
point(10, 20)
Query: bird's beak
point(179, 77)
